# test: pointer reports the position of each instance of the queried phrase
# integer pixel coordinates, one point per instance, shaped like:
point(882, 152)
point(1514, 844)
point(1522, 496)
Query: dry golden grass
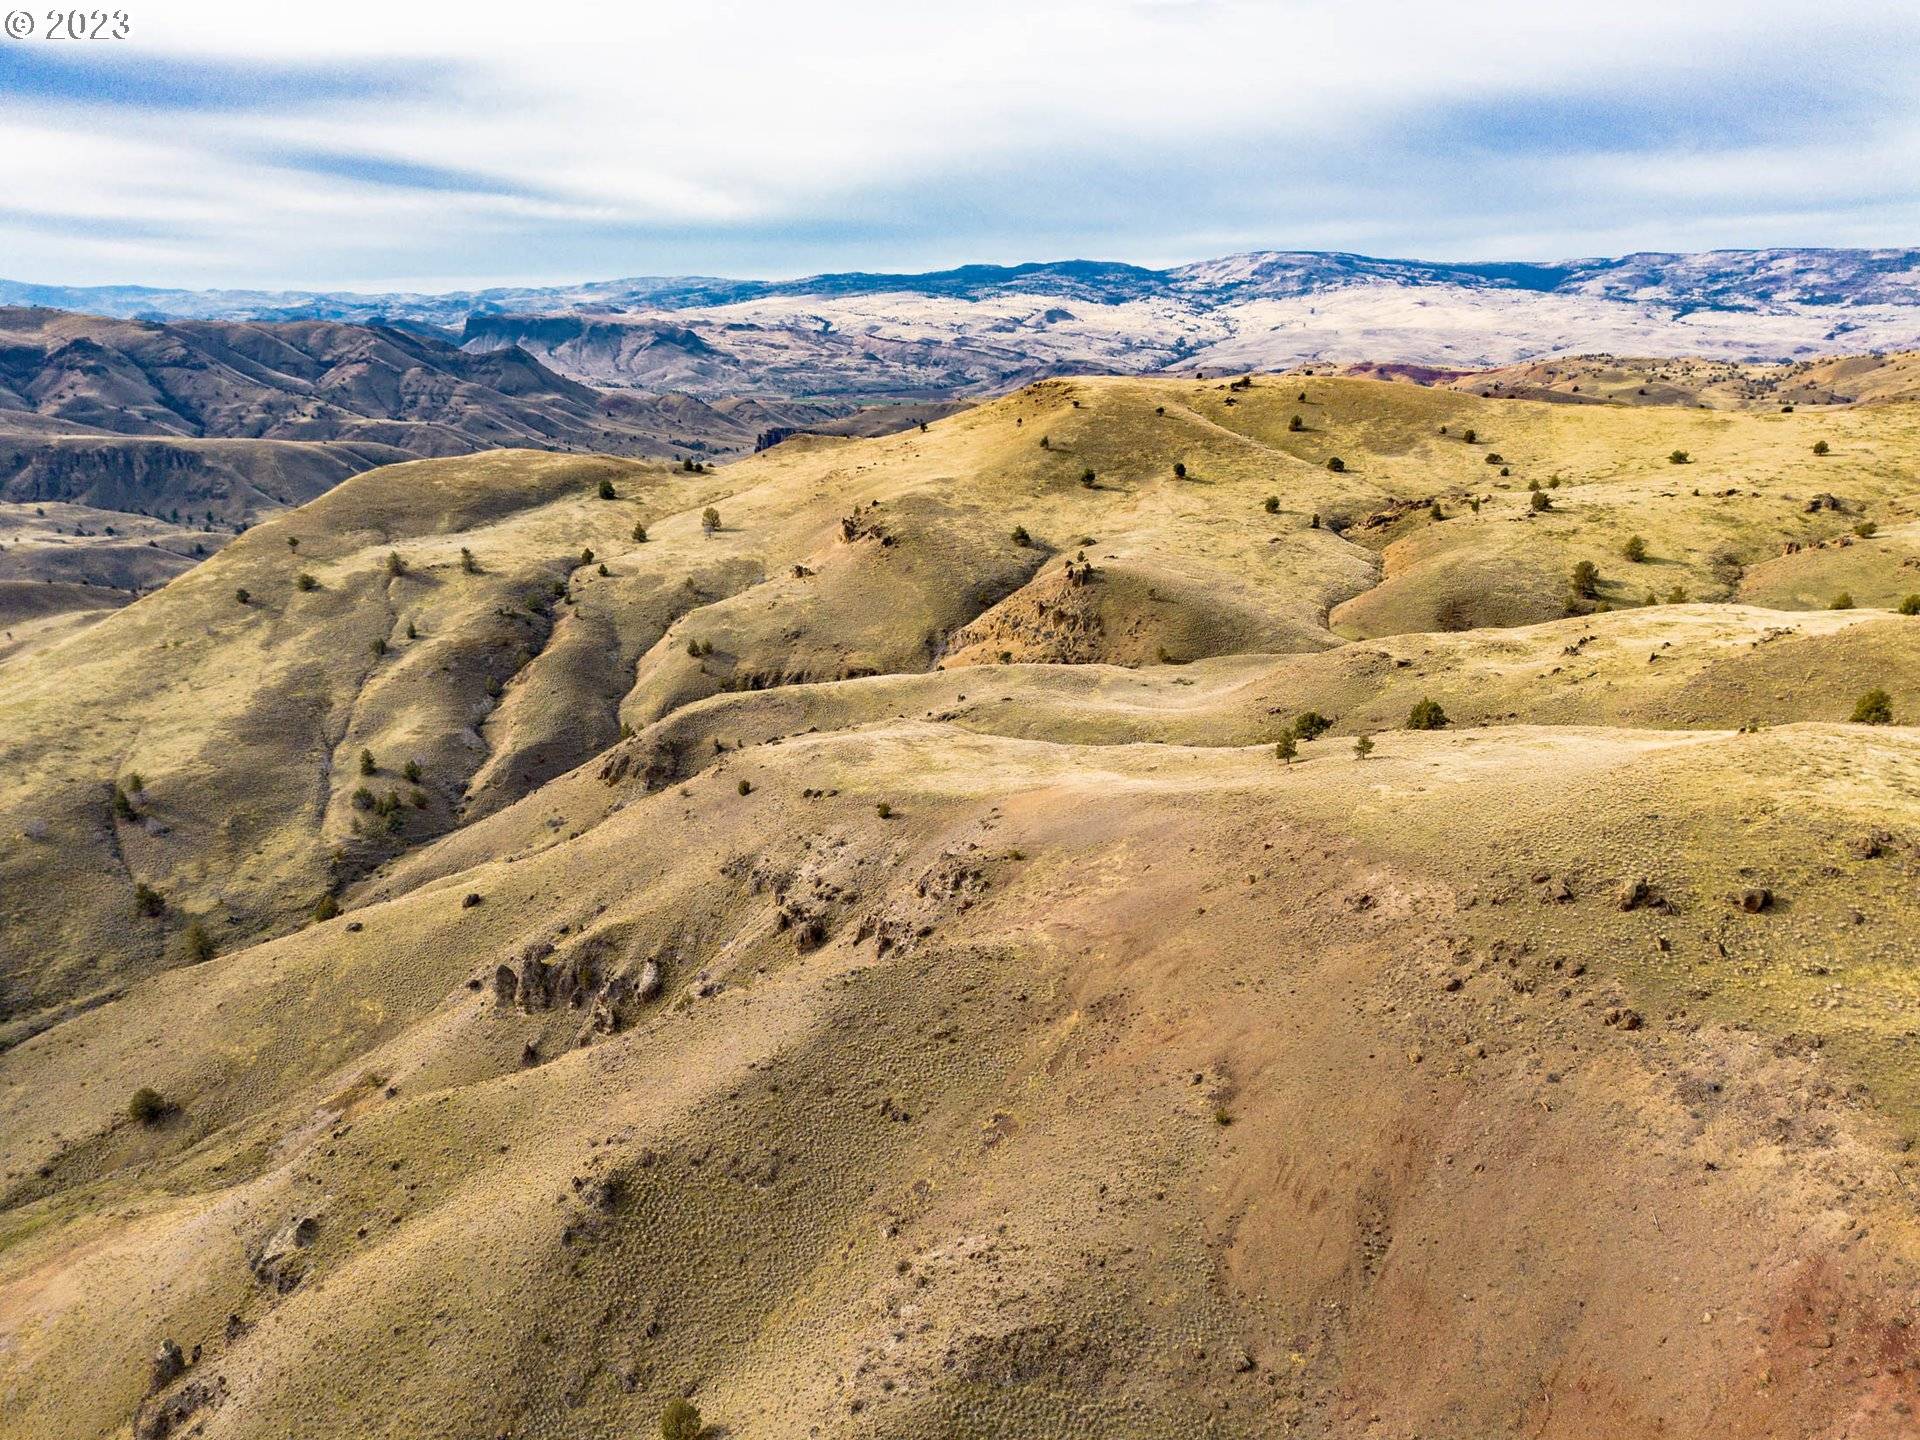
point(894, 1041)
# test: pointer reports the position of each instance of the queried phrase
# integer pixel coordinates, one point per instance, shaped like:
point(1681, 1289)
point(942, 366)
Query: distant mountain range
point(981, 329)
point(1738, 280)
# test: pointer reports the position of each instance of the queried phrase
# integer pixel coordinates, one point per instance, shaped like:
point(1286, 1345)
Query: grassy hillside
point(856, 957)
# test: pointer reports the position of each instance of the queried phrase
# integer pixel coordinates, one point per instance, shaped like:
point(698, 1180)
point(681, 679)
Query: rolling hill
point(523, 937)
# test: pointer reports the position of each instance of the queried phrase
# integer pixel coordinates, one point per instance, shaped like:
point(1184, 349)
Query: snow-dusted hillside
point(981, 329)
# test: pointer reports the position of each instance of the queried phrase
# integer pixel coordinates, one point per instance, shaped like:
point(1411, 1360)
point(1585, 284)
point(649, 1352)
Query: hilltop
point(832, 935)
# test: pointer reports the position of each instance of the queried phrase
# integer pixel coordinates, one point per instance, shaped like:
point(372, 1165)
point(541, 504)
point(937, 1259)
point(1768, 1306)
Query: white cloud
point(642, 137)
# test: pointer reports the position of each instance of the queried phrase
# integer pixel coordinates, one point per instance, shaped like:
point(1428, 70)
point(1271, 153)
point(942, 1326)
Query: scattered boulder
point(281, 1262)
point(1756, 899)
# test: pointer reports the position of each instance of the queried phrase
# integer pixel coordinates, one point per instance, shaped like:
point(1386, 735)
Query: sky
point(423, 145)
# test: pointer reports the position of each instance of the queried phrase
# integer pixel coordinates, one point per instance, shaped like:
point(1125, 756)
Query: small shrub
point(1842, 601)
point(197, 943)
point(1494, 457)
point(883, 810)
point(243, 595)
point(1426, 715)
point(709, 520)
point(745, 787)
point(1820, 447)
point(1472, 437)
point(639, 533)
point(1679, 457)
point(396, 566)
point(1020, 536)
point(1179, 469)
point(1539, 502)
point(1866, 529)
point(1296, 425)
point(603, 571)
point(1910, 605)
point(362, 798)
point(412, 771)
point(679, 1421)
point(123, 806)
point(379, 647)
point(1046, 443)
point(1272, 504)
point(304, 582)
point(467, 562)
point(1286, 747)
point(1586, 578)
point(1362, 746)
point(1311, 725)
point(1677, 595)
point(1874, 708)
point(1087, 477)
point(1434, 512)
point(325, 908)
point(607, 491)
point(148, 901)
point(147, 1106)
point(1336, 464)
point(293, 542)
point(413, 631)
point(586, 556)
point(367, 764)
point(1635, 549)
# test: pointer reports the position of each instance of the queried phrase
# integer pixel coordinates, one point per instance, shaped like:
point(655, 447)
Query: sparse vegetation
point(1586, 579)
point(1873, 708)
point(412, 771)
point(1842, 601)
point(1296, 425)
point(680, 1421)
point(639, 533)
point(148, 901)
point(1910, 605)
point(396, 564)
point(1020, 536)
point(1679, 457)
point(147, 1106)
point(467, 562)
point(1539, 502)
point(606, 490)
point(709, 520)
point(1272, 504)
point(1426, 715)
point(883, 810)
point(1310, 725)
point(1635, 549)
point(196, 944)
point(305, 581)
point(243, 595)
point(368, 766)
